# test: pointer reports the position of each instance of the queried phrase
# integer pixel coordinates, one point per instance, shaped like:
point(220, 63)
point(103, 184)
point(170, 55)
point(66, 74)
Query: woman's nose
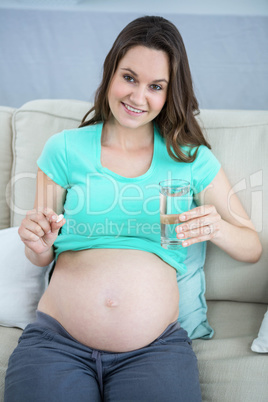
point(138, 96)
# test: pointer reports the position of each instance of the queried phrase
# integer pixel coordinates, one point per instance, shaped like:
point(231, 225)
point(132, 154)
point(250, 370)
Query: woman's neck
point(128, 139)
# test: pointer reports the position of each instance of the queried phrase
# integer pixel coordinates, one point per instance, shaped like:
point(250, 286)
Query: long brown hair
point(176, 121)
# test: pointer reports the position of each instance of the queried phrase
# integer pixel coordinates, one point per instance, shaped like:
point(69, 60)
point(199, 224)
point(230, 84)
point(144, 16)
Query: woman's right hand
point(39, 229)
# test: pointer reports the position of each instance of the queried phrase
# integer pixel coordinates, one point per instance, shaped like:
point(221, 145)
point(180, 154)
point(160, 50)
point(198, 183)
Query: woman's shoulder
point(201, 152)
point(80, 132)
point(74, 135)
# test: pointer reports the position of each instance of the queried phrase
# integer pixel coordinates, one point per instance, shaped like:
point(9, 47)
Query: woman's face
point(138, 90)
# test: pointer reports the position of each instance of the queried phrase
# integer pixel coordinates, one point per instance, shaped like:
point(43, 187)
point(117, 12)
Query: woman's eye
point(156, 87)
point(128, 78)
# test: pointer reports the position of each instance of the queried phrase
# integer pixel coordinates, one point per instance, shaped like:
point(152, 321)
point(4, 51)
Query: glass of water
point(174, 199)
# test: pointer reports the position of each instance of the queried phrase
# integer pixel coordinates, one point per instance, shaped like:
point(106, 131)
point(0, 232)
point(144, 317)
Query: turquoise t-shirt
point(106, 210)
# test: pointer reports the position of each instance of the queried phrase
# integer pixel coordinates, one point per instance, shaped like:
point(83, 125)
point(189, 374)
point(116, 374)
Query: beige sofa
point(237, 293)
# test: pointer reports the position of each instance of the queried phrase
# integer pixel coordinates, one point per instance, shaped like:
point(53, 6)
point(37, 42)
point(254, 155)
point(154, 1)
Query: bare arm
point(39, 229)
point(222, 219)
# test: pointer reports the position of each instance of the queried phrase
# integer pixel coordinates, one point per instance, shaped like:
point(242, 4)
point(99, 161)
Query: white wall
point(215, 7)
point(56, 48)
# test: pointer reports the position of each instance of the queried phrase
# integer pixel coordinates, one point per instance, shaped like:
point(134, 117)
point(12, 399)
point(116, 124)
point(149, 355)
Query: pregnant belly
point(115, 300)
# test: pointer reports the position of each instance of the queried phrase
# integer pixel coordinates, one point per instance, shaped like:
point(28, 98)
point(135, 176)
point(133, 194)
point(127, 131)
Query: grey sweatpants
point(48, 365)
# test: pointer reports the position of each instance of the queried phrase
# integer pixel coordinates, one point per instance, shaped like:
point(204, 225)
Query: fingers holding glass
point(200, 224)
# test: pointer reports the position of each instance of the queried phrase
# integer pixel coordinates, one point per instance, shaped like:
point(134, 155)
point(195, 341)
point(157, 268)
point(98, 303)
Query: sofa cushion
point(9, 340)
point(192, 287)
point(239, 139)
point(228, 369)
point(260, 344)
point(6, 114)
point(33, 124)
point(21, 283)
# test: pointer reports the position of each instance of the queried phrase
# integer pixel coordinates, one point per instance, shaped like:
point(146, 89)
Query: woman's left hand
point(199, 224)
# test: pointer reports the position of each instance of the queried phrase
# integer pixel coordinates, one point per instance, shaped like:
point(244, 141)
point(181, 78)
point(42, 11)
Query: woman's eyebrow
point(136, 75)
point(131, 71)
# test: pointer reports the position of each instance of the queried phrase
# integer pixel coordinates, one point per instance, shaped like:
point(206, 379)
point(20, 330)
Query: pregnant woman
point(107, 326)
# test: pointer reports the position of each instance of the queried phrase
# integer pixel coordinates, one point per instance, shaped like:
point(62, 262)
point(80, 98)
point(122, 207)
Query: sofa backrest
point(6, 158)
point(32, 125)
point(239, 139)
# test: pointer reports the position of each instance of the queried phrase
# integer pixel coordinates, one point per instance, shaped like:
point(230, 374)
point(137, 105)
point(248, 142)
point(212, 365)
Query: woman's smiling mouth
point(132, 110)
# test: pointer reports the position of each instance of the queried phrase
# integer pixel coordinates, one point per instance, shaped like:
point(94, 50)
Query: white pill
point(60, 218)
